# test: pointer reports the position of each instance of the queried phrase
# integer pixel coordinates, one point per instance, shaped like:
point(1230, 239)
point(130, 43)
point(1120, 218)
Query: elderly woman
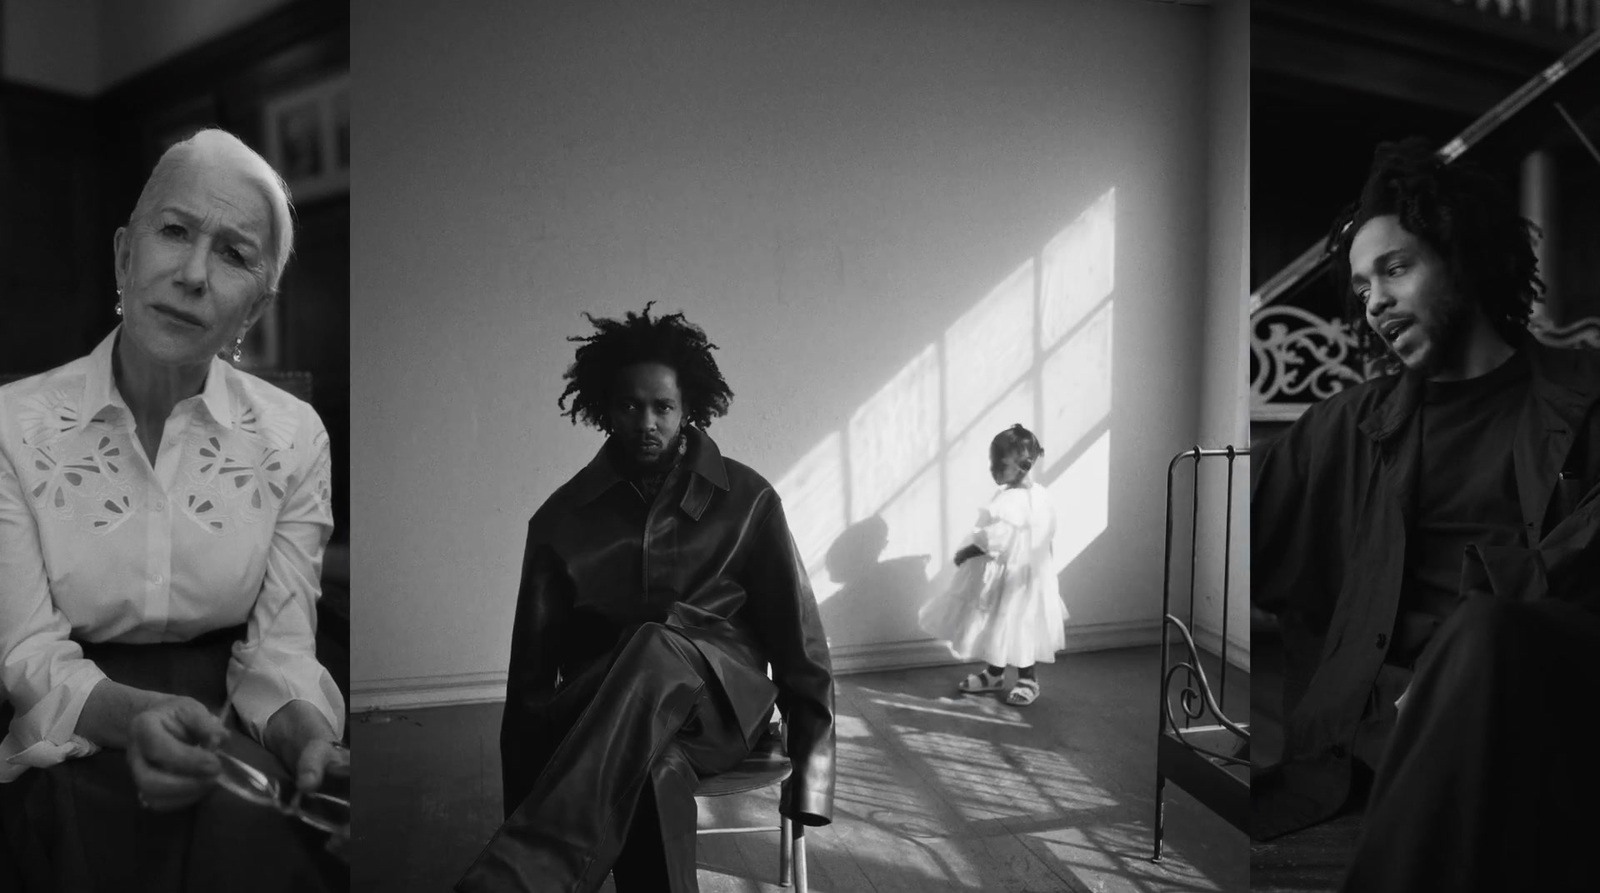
point(163, 517)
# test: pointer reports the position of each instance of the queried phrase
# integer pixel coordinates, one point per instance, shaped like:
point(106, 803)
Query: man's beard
point(1448, 334)
point(629, 458)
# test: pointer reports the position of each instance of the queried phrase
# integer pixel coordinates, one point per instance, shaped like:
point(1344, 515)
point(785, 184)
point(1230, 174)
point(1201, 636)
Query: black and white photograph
point(174, 451)
point(1425, 425)
point(766, 414)
point(832, 446)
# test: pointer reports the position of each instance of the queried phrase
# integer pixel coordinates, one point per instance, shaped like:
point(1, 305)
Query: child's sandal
point(976, 683)
point(1025, 692)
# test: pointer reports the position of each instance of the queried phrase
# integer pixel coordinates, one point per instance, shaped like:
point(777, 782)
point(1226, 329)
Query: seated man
point(657, 585)
point(1430, 540)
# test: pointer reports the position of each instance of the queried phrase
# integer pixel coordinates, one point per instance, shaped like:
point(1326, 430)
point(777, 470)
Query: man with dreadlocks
point(658, 584)
point(1431, 541)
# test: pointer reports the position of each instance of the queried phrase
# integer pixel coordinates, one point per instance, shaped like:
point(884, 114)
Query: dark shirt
point(1466, 494)
point(1334, 505)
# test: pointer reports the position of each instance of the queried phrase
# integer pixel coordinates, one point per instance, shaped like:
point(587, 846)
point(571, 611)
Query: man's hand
point(170, 751)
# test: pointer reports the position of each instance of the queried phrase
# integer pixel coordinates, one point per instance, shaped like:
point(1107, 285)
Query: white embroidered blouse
point(228, 527)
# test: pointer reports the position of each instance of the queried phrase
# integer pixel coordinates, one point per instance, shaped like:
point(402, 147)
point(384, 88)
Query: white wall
point(867, 207)
point(83, 47)
point(1225, 404)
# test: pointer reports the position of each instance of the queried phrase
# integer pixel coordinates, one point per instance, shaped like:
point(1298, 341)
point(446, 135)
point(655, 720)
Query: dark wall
point(71, 170)
point(1310, 147)
point(51, 245)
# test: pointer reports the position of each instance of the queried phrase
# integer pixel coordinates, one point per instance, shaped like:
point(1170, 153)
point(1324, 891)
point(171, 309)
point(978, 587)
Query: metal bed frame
point(1210, 760)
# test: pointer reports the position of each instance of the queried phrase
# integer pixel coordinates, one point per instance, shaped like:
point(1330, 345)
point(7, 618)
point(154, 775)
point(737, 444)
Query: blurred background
point(1328, 82)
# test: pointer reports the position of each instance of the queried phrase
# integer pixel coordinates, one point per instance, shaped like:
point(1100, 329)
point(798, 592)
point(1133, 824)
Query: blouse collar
point(100, 391)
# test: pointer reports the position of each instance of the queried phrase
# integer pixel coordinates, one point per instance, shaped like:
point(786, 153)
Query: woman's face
point(193, 269)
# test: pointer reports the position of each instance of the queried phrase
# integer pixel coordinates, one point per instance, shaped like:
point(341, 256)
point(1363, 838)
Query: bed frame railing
point(1199, 747)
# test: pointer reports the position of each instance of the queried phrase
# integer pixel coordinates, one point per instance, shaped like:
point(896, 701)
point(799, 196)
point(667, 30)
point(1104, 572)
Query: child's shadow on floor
point(878, 600)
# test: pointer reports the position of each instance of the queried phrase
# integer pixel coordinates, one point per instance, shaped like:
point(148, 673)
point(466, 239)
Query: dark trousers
point(1488, 782)
point(77, 827)
point(618, 792)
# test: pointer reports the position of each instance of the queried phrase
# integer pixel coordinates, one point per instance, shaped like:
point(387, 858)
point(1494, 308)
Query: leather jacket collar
point(704, 461)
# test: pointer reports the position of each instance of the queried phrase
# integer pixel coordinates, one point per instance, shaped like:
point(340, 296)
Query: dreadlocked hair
point(638, 338)
point(1019, 442)
point(1465, 216)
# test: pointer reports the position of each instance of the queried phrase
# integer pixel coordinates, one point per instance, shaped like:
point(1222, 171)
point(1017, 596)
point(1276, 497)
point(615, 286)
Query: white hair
point(220, 143)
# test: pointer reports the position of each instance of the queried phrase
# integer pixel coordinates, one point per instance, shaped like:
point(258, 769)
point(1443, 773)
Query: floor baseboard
point(1238, 646)
point(427, 691)
point(476, 688)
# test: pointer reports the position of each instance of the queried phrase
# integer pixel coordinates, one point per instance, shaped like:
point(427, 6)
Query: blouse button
point(155, 578)
point(160, 506)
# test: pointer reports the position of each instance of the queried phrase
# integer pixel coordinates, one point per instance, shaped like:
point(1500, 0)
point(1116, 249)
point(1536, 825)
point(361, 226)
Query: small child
point(1003, 606)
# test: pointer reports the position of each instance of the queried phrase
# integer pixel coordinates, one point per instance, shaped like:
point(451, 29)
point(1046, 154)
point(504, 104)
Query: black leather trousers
point(619, 790)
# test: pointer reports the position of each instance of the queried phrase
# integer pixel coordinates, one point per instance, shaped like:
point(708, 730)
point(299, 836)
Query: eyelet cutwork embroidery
point(87, 485)
point(237, 480)
point(61, 482)
point(47, 416)
point(115, 511)
point(207, 512)
point(276, 428)
point(322, 470)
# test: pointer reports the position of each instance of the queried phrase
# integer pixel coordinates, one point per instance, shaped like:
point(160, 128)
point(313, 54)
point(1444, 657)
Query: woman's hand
point(304, 742)
point(170, 751)
point(319, 758)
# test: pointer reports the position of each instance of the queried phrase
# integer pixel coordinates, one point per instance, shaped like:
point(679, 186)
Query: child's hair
point(1016, 441)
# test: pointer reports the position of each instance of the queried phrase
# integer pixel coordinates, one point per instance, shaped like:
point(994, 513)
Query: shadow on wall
point(873, 593)
point(873, 503)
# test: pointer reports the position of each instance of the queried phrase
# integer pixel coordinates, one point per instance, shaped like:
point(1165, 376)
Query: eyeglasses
point(321, 811)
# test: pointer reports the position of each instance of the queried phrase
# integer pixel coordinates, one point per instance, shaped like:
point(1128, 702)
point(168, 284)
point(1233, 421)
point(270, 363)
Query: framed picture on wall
point(307, 137)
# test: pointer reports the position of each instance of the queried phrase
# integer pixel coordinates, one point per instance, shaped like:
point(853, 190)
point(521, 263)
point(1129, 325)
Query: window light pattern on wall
point(906, 473)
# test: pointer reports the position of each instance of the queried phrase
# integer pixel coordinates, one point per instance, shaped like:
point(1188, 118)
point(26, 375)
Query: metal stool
point(767, 765)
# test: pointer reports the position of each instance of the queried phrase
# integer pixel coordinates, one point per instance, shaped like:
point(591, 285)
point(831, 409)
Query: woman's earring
point(119, 302)
point(237, 344)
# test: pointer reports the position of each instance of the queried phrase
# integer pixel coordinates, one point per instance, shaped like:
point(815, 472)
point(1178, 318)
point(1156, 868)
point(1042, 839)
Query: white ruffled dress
point(1004, 607)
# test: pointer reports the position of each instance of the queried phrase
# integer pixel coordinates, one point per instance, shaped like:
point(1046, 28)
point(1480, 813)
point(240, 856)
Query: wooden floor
point(936, 792)
point(1311, 860)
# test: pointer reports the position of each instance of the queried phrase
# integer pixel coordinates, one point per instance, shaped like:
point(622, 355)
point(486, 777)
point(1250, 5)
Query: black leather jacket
point(713, 558)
